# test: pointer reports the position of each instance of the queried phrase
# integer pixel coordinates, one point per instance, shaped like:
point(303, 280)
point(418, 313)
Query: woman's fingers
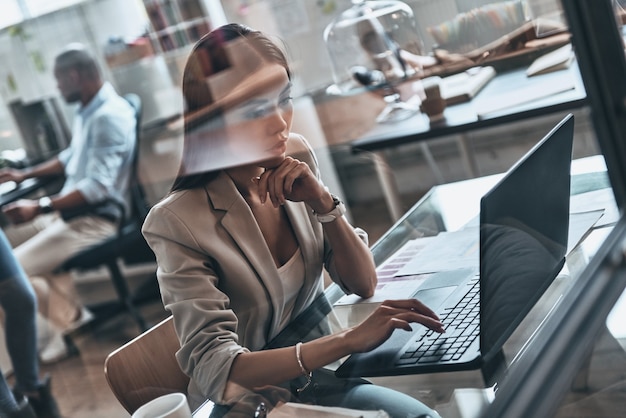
point(278, 183)
point(269, 186)
point(399, 323)
point(411, 304)
point(261, 183)
point(411, 311)
point(391, 315)
point(278, 180)
point(427, 321)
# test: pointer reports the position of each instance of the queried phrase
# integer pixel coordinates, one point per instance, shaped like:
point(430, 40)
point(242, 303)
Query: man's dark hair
point(76, 57)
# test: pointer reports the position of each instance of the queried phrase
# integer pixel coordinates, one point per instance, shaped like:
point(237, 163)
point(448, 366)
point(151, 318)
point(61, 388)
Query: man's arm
point(51, 167)
point(71, 200)
point(25, 210)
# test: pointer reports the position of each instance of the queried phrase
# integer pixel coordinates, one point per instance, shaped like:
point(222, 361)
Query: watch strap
point(338, 211)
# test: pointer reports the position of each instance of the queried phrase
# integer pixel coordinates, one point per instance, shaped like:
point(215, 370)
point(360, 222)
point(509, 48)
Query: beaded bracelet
point(303, 369)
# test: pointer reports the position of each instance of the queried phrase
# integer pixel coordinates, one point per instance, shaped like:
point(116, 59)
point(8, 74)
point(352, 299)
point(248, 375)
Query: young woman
point(243, 238)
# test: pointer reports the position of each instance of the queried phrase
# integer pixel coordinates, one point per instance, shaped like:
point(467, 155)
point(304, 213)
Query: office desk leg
point(388, 184)
point(468, 157)
point(431, 162)
point(388, 181)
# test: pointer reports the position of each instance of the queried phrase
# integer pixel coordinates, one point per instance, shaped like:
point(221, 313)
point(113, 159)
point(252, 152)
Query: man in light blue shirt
point(87, 210)
point(97, 162)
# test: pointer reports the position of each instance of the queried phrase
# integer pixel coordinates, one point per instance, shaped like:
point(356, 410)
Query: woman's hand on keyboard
point(391, 314)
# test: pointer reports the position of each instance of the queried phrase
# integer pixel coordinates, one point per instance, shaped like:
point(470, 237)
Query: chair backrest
point(146, 367)
point(139, 206)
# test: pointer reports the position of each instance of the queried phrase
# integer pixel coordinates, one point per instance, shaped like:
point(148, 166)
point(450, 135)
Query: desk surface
point(440, 211)
point(517, 96)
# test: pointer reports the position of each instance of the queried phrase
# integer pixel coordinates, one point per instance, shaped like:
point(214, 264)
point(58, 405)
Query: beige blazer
point(217, 276)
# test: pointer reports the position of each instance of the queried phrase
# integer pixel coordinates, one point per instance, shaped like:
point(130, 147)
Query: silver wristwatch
point(45, 205)
point(338, 211)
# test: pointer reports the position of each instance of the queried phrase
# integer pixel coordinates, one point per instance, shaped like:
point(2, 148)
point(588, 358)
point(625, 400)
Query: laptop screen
point(524, 223)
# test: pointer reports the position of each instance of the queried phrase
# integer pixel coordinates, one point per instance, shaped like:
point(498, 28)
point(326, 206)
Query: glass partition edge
point(538, 380)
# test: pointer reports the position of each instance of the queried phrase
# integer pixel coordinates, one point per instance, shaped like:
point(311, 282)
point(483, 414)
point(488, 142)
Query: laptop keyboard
point(462, 327)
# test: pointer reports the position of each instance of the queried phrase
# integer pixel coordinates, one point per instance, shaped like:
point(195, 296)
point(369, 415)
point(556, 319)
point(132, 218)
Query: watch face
point(45, 204)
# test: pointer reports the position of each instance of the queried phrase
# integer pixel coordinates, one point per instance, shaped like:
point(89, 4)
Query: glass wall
point(143, 46)
point(577, 368)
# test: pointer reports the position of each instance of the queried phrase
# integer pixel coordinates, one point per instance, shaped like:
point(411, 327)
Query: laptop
point(524, 221)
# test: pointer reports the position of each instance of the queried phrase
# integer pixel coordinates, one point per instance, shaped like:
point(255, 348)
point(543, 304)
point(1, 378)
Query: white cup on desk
point(173, 405)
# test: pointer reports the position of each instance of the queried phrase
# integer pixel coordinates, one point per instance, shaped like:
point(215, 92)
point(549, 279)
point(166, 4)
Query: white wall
point(91, 23)
point(28, 59)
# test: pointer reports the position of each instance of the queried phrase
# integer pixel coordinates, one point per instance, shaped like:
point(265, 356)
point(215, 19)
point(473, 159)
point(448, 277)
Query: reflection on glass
point(376, 45)
point(524, 228)
point(599, 389)
point(615, 321)
point(478, 27)
point(514, 256)
point(225, 93)
point(547, 15)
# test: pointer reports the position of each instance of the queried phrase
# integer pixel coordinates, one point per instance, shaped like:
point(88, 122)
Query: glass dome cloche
point(369, 45)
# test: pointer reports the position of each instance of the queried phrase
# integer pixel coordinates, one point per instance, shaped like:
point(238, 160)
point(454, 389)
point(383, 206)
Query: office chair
point(146, 367)
point(128, 245)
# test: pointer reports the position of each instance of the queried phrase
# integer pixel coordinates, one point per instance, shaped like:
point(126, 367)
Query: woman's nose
point(277, 119)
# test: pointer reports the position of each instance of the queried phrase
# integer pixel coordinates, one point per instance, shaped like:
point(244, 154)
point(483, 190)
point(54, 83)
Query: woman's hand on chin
point(292, 180)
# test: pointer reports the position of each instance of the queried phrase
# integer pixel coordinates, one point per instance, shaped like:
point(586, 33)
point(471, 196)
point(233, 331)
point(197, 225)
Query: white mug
point(173, 405)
